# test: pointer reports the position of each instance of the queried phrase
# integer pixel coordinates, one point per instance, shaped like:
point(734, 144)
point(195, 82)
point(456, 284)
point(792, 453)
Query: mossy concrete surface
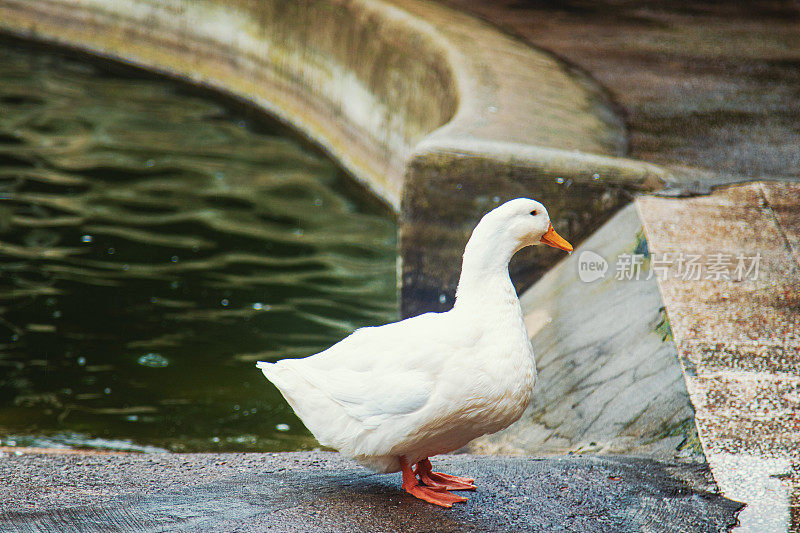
point(321, 491)
point(608, 379)
point(448, 189)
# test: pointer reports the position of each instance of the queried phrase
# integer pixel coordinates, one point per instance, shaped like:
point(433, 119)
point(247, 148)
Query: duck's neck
point(484, 277)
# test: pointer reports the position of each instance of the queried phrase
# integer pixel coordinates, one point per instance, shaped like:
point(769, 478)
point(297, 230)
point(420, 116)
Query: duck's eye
point(533, 212)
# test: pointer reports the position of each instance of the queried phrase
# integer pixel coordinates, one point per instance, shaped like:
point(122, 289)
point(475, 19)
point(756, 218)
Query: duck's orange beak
point(551, 238)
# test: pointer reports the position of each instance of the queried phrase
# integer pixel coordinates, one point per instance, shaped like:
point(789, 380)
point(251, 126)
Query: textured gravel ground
point(321, 491)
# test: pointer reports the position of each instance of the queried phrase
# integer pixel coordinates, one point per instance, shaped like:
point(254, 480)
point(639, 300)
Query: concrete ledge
point(366, 79)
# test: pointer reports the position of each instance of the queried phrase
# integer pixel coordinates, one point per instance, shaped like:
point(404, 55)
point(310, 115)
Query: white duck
point(391, 396)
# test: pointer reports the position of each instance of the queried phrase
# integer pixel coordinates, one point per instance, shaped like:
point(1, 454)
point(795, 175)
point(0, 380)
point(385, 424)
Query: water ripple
point(154, 244)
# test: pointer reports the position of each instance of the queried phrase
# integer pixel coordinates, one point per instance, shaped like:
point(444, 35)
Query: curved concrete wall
point(393, 90)
point(365, 80)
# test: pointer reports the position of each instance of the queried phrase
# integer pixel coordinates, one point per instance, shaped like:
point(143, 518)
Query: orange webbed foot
point(440, 480)
point(434, 496)
point(437, 495)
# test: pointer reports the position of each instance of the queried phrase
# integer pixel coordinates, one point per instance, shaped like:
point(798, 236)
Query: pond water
point(154, 244)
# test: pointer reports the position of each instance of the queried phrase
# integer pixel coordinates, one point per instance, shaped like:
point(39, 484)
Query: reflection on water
point(153, 245)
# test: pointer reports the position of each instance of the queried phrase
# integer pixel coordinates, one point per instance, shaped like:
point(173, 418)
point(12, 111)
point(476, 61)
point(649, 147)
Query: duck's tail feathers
point(265, 368)
point(275, 374)
point(319, 414)
point(285, 379)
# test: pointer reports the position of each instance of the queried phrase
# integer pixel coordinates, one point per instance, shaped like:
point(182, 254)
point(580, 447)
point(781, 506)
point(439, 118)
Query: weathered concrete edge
point(385, 87)
point(575, 165)
point(452, 184)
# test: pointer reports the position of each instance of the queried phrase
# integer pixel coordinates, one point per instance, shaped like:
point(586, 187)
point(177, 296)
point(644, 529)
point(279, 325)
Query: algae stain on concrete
point(453, 190)
point(663, 328)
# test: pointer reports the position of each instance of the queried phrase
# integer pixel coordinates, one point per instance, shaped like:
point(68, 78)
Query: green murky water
point(153, 245)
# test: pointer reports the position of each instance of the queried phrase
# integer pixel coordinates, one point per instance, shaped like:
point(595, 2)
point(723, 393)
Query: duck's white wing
point(375, 378)
point(371, 399)
point(382, 371)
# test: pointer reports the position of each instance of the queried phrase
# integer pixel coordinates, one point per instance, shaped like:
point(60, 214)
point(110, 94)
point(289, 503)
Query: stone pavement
point(321, 491)
point(738, 339)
